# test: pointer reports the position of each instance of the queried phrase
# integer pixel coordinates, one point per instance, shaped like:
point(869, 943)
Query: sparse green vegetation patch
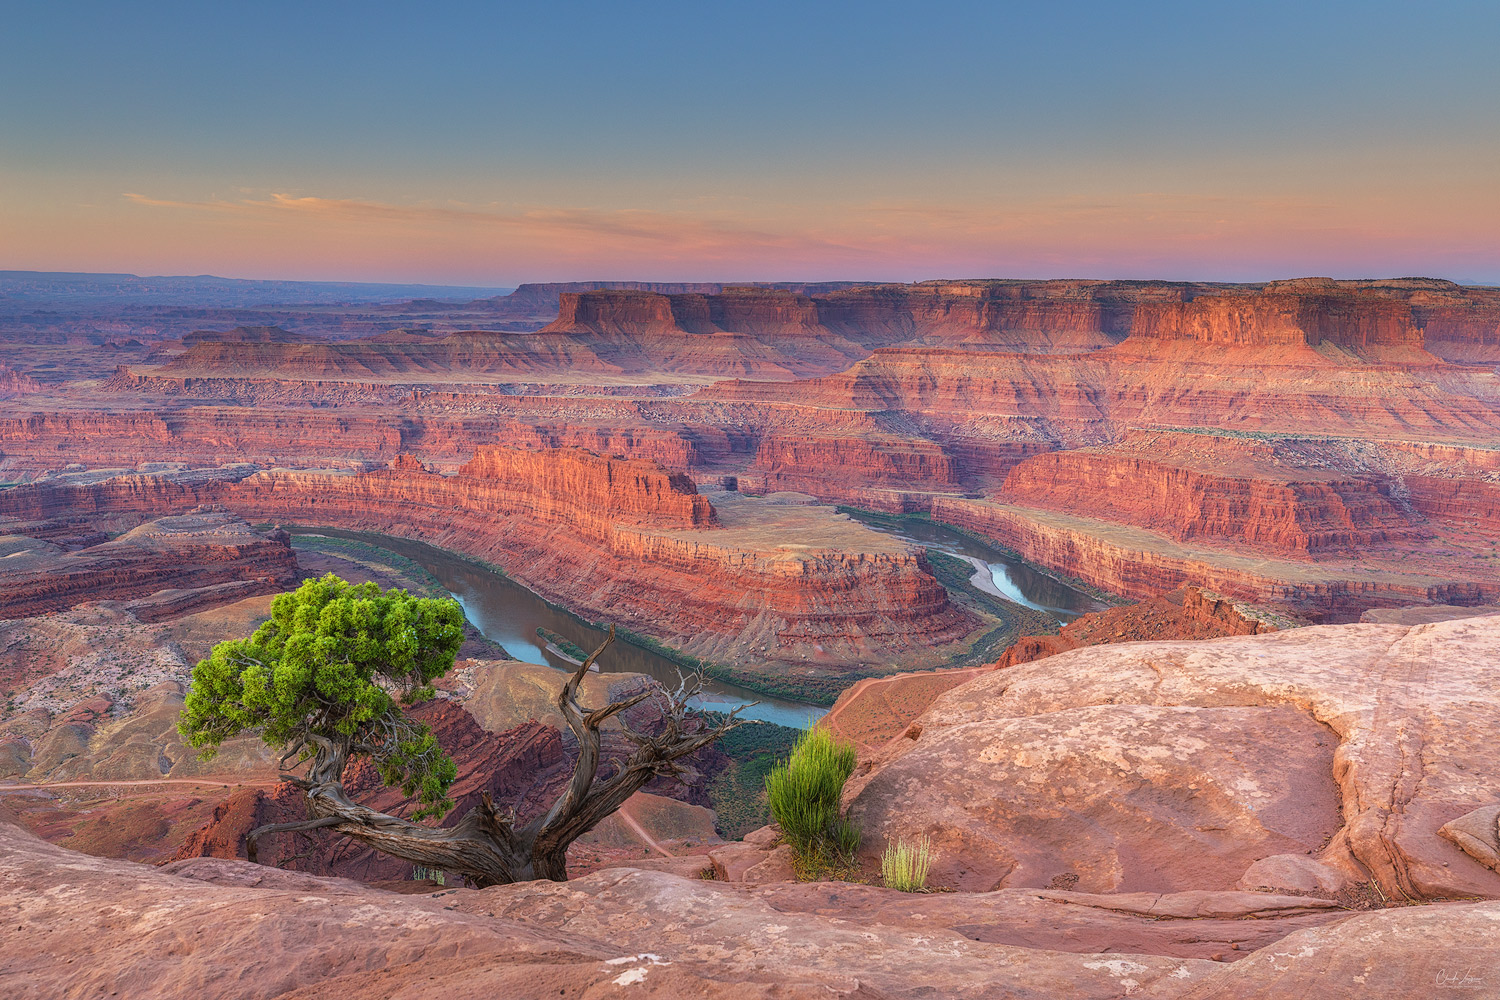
point(738, 793)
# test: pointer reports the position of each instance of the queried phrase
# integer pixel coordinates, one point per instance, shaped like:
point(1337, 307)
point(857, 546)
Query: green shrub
point(803, 793)
point(904, 866)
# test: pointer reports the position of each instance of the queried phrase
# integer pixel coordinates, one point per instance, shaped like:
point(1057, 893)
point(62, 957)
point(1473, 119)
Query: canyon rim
point(990, 502)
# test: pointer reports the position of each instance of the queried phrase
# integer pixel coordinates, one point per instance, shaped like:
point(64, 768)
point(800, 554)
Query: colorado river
point(995, 572)
point(507, 613)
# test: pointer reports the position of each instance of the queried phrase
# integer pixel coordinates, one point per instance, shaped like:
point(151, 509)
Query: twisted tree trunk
point(484, 847)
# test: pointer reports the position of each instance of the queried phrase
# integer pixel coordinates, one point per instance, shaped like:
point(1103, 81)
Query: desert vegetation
point(738, 792)
point(804, 793)
point(905, 863)
point(326, 679)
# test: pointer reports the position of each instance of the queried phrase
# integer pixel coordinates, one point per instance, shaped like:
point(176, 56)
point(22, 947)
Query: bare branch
point(486, 846)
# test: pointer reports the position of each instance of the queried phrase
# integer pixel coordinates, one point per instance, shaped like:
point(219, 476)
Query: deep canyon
point(1168, 610)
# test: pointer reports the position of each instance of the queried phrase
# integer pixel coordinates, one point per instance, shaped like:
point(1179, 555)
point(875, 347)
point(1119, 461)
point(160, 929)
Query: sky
point(494, 143)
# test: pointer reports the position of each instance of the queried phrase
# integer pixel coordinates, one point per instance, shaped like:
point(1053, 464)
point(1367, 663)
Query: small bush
point(904, 866)
point(803, 793)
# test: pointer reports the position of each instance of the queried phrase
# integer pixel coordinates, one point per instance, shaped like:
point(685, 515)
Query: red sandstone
point(585, 531)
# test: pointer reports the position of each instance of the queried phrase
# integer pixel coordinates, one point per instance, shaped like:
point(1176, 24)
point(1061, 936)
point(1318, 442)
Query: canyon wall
point(442, 431)
point(1138, 564)
point(1466, 502)
point(1358, 320)
point(758, 311)
point(612, 539)
point(1282, 511)
point(1460, 324)
point(1027, 393)
point(791, 459)
point(173, 553)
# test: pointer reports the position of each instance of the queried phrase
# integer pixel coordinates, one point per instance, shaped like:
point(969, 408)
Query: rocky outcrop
point(1093, 761)
point(179, 553)
point(1110, 799)
point(1185, 613)
point(1137, 563)
point(585, 531)
point(81, 925)
point(76, 925)
point(13, 383)
point(1286, 511)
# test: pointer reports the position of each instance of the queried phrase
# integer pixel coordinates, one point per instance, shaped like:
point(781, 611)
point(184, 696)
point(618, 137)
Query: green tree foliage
point(331, 670)
point(804, 794)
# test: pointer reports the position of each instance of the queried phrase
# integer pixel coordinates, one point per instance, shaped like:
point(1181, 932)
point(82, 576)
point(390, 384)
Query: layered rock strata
point(1283, 511)
point(1378, 447)
point(584, 530)
point(171, 553)
point(1139, 563)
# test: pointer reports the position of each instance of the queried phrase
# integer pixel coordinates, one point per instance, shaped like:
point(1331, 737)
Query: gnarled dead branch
point(486, 847)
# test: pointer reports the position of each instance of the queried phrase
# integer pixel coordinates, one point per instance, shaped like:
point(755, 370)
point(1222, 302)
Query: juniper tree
point(326, 680)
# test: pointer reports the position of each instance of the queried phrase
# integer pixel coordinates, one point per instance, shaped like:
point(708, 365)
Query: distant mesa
point(1323, 444)
point(246, 335)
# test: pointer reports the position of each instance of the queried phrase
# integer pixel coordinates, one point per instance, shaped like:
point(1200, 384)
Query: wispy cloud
point(650, 231)
point(1120, 233)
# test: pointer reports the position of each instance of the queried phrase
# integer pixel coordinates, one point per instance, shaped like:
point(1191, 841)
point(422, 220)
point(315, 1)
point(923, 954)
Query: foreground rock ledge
point(75, 925)
point(1163, 766)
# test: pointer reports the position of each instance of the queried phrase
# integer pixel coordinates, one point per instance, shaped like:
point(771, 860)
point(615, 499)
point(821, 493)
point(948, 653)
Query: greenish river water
point(507, 613)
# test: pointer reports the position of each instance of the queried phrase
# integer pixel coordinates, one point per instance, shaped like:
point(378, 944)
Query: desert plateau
point(993, 502)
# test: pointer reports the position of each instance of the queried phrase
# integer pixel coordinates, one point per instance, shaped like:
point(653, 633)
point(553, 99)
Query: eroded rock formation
point(75, 924)
point(1333, 439)
point(1155, 765)
point(172, 553)
point(725, 584)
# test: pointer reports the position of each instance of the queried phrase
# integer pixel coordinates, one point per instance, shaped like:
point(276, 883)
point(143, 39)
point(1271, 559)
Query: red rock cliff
point(567, 484)
point(1285, 314)
point(1296, 512)
point(611, 539)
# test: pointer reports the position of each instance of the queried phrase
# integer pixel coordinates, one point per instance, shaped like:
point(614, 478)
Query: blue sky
point(498, 143)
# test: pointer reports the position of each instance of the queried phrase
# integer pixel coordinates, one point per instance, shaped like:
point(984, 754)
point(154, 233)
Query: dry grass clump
point(905, 865)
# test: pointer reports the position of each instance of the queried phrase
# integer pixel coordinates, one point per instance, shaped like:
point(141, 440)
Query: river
point(507, 613)
point(995, 572)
